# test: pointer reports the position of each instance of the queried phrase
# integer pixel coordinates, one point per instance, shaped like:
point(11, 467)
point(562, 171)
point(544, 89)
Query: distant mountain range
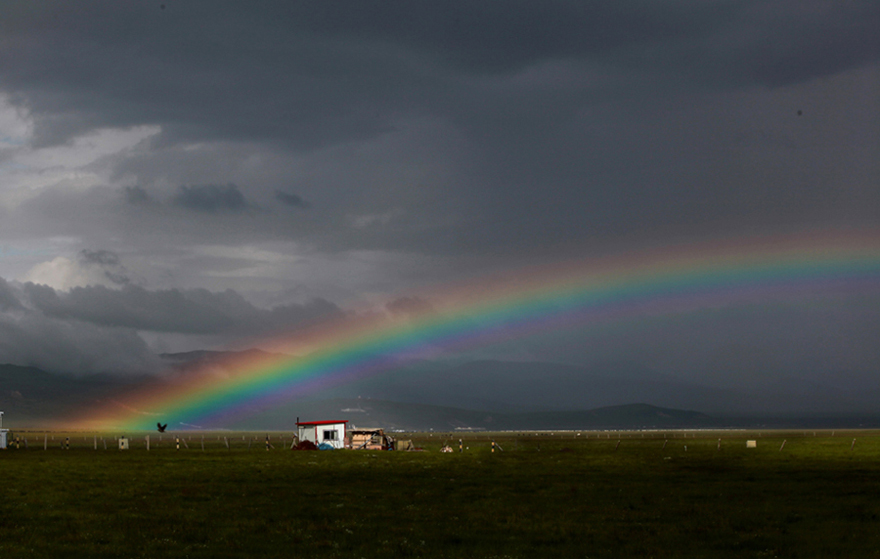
point(491, 395)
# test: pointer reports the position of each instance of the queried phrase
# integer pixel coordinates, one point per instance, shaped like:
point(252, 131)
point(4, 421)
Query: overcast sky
point(189, 174)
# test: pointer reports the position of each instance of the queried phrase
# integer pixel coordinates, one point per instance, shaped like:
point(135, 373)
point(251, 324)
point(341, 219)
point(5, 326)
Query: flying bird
point(161, 427)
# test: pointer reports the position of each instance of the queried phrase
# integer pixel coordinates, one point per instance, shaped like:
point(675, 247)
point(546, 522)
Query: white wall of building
point(330, 433)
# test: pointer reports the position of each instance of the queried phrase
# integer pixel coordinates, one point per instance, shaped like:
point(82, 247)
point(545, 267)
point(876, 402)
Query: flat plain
point(560, 494)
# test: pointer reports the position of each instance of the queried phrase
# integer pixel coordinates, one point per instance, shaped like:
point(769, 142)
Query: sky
point(202, 175)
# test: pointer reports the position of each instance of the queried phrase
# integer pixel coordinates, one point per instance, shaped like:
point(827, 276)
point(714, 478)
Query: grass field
point(544, 495)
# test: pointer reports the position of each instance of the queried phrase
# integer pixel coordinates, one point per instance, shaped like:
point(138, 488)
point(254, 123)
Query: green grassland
point(545, 495)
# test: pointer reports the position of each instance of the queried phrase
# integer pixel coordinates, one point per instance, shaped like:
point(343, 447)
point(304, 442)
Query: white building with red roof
point(331, 432)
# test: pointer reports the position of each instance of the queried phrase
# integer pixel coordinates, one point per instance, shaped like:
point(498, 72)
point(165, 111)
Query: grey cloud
point(78, 348)
point(136, 195)
point(194, 311)
point(101, 257)
point(108, 261)
point(210, 198)
point(8, 299)
point(409, 306)
point(95, 329)
point(30, 337)
point(291, 199)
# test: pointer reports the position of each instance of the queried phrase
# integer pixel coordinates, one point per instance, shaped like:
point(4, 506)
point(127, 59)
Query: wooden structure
point(369, 439)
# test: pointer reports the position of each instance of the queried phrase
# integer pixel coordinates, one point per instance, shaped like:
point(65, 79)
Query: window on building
point(330, 435)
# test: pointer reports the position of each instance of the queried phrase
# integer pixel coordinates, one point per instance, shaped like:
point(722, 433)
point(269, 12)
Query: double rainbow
point(592, 293)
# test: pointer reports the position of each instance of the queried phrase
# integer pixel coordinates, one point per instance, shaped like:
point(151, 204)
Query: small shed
point(370, 439)
point(331, 432)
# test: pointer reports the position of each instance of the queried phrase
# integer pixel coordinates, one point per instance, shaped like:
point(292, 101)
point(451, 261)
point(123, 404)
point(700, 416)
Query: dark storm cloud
point(210, 198)
point(551, 124)
point(291, 199)
point(312, 74)
point(192, 311)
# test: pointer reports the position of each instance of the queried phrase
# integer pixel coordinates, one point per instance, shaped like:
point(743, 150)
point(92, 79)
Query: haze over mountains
point(485, 394)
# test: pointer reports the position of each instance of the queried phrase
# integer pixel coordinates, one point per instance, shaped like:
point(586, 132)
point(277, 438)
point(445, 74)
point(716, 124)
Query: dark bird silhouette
point(161, 427)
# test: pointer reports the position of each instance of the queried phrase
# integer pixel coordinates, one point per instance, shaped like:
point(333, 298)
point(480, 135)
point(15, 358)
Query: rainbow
point(593, 293)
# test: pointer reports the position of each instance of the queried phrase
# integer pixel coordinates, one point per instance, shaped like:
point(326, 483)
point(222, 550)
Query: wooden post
point(45, 441)
point(664, 444)
point(853, 445)
point(225, 440)
point(95, 441)
point(267, 443)
point(617, 445)
point(186, 446)
point(148, 441)
point(103, 440)
point(203, 442)
point(782, 445)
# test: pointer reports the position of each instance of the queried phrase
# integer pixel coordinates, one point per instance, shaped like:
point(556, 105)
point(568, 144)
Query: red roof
point(320, 422)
